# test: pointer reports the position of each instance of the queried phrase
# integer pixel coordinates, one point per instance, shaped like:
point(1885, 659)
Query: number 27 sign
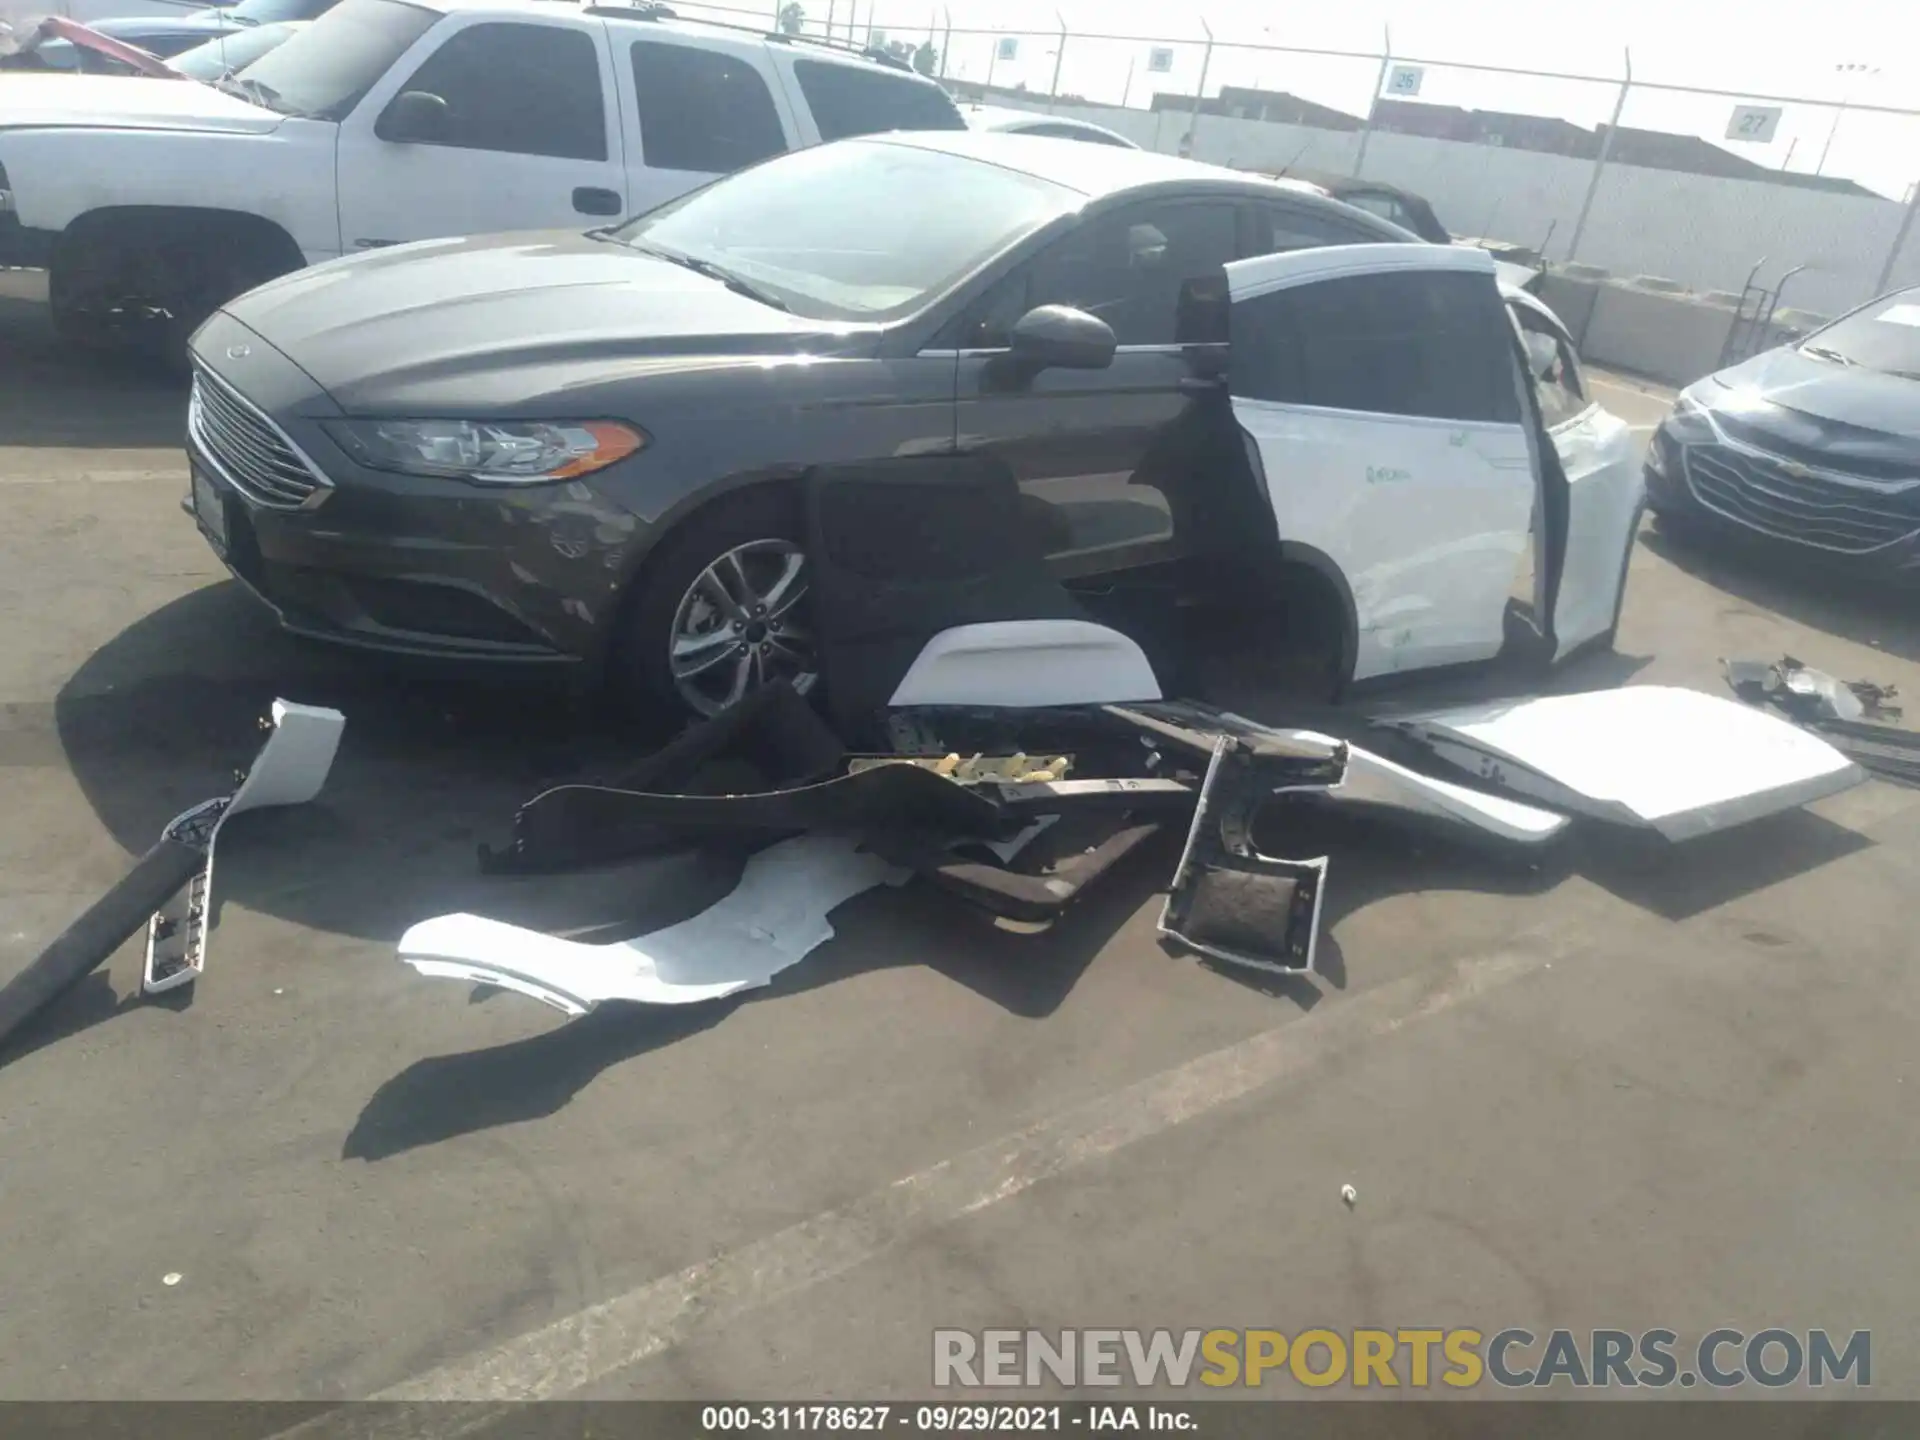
point(1754, 123)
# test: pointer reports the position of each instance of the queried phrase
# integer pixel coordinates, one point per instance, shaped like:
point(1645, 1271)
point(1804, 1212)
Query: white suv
point(152, 202)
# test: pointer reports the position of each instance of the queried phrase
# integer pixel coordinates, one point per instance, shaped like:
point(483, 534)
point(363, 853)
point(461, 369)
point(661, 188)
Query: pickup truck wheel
point(149, 281)
point(720, 611)
point(78, 302)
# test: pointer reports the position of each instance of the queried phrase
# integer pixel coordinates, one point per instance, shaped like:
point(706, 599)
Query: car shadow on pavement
point(1777, 580)
point(430, 764)
point(56, 395)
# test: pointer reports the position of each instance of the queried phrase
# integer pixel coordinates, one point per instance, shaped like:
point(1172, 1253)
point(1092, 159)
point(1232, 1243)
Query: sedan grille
point(1795, 503)
point(248, 447)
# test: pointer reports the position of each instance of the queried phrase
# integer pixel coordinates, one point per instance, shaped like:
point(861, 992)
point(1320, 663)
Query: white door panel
point(1427, 520)
point(1606, 492)
point(392, 192)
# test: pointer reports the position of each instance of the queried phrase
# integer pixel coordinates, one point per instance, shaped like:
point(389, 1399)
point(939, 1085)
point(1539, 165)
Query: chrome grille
point(248, 447)
point(1814, 509)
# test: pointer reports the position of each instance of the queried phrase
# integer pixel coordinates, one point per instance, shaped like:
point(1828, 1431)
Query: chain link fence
point(1700, 188)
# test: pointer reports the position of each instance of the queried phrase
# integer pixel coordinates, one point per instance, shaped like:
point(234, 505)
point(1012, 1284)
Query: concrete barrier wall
point(1700, 230)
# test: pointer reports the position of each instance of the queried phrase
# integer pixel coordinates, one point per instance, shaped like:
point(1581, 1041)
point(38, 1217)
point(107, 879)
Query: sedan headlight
point(488, 452)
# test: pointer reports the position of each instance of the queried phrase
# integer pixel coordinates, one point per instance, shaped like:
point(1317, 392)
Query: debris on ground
point(1228, 901)
point(170, 888)
point(1658, 757)
point(1845, 714)
point(1804, 694)
point(770, 920)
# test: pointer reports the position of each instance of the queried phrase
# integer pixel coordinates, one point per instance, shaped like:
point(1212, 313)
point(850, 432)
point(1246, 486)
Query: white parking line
point(575, 1352)
point(93, 477)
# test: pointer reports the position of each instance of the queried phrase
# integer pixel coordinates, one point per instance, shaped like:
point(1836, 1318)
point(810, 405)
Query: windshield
point(1885, 337)
point(858, 230)
point(230, 52)
point(324, 70)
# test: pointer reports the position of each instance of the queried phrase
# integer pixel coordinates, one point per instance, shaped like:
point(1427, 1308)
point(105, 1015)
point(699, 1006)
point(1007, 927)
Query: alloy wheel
point(740, 626)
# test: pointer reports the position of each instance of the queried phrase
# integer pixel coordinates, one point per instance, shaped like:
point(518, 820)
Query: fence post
point(829, 19)
point(946, 40)
point(1199, 92)
point(1899, 242)
point(1600, 160)
point(1059, 55)
point(1379, 84)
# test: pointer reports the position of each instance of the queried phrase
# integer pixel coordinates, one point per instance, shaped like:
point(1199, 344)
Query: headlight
point(1689, 417)
point(489, 452)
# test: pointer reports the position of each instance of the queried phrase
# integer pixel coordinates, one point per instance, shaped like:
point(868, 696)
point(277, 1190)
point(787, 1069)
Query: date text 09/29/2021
point(946, 1419)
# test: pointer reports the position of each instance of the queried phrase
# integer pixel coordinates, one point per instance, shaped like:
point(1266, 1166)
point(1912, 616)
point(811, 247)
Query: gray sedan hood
point(528, 312)
point(1838, 395)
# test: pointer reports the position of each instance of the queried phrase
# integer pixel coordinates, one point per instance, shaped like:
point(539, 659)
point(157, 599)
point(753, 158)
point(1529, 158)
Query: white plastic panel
point(1027, 663)
point(290, 770)
point(771, 920)
point(1606, 491)
point(1673, 760)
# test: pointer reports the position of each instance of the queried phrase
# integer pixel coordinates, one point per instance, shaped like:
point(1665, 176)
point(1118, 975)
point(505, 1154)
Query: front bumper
point(394, 563)
point(1695, 475)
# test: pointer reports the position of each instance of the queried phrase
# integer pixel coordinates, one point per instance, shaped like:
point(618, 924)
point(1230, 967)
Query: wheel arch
point(270, 232)
point(1322, 576)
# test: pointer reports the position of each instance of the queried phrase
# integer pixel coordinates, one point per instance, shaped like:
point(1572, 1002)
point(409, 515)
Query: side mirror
point(1061, 337)
point(414, 117)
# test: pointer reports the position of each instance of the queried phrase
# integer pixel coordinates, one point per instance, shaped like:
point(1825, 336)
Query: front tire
point(720, 611)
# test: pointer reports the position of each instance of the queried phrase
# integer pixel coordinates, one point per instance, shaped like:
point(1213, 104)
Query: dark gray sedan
point(1816, 444)
point(581, 449)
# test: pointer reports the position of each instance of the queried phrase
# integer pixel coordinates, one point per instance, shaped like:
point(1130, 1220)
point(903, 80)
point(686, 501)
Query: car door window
point(520, 89)
point(1129, 268)
point(1433, 343)
point(702, 110)
point(1287, 227)
point(1556, 370)
point(853, 100)
point(1387, 207)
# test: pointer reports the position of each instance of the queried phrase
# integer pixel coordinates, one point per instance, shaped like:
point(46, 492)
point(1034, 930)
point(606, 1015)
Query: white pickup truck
point(152, 202)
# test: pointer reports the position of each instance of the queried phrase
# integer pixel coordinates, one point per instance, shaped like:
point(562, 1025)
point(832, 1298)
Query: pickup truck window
point(518, 89)
point(702, 110)
point(853, 100)
point(325, 70)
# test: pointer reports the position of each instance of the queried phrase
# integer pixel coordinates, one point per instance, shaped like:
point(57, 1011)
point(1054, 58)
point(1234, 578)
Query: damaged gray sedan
point(594, 451)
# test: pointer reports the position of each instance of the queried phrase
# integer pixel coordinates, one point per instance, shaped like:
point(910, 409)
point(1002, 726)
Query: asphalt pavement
point(1635, 1088)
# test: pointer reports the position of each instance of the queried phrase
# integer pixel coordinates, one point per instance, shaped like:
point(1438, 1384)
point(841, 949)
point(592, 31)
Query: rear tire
point(760, 526)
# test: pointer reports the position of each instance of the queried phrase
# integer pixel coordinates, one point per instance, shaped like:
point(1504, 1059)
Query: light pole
point(1855, 72)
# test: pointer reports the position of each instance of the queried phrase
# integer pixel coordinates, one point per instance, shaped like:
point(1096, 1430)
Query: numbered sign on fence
point(1754, 122)
point(1160, 60)
point(1405, 80)
point(1008, 49)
